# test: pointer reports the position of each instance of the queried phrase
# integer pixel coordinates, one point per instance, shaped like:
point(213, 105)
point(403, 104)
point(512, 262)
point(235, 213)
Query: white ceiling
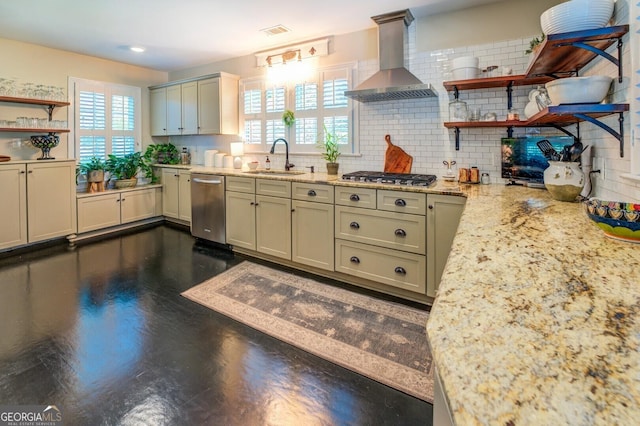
point(179, 34)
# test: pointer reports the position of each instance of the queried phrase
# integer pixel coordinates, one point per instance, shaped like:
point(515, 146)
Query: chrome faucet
point(287, 165)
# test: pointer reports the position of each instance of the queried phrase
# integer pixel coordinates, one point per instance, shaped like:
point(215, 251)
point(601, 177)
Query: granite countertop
point(537, 317)
point(440, 187)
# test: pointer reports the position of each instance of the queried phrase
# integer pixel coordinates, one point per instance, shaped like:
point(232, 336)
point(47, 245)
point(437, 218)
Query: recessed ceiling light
point(278, 29)
point(136, 49)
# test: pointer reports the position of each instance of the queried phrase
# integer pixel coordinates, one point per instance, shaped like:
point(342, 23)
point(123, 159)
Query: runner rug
point(381, 340)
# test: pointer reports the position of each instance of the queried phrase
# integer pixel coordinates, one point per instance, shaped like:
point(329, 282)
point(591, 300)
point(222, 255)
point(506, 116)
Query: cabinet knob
point(30, 171)
point(252, 203)
point(311, 193)
point(256, 204)
point(354, 197)
point(354, 225)
point(22, 172)
point(400, 202)
point(176, 175)
point(430, 206)
point(354, 259)
point(400, 270)
point(400, 233)
point(293, 210)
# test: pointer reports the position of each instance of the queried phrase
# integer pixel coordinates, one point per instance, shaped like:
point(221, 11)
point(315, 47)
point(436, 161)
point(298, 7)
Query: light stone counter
point(537, 318)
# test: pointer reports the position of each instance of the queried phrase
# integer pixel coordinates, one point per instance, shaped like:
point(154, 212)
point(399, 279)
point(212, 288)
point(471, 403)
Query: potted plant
point(94, 172)
point(124, 170)
point(534, 44)
point(331, 151)
point(164, 153)
point(288, 118)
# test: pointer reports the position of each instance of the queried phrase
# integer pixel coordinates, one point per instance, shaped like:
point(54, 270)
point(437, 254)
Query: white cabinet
point(113, 208)
point(38, 203)
point(205, 105)
point(257, 221)
point(176, 200)
point(182, 109)
point(443, 217)
point(312, 221)
point(13, 214)
point(158, 116)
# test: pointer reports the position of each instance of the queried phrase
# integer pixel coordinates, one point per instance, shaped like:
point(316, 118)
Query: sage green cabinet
point(176, 200)
point(312, 234)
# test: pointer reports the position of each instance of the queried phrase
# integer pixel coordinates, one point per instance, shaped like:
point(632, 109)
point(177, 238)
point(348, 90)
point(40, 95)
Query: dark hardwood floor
point(101, 331)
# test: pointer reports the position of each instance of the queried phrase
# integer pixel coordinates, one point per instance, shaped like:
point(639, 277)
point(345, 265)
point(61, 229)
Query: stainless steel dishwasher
point(208, 207)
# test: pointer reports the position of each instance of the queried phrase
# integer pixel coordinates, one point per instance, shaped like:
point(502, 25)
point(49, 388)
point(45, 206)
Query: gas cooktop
point(407, 179)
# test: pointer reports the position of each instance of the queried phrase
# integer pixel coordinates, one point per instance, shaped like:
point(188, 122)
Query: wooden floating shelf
point(493, 82)
point(31, 101)
point(38, 130)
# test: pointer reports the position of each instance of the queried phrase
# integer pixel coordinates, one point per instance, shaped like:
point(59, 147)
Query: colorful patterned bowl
point(617, 220)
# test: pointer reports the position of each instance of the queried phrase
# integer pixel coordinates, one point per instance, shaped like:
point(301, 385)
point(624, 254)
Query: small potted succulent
point(331, 151)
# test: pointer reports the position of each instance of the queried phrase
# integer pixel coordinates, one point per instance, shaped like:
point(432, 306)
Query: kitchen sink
point(275, 172)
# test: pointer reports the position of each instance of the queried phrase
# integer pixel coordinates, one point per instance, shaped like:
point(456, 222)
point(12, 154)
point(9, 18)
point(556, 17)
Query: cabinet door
point(137, 205)
point(443, 217)
point(170, 196)
point(100, 211)
point(184, 196)
point(13, 214)
point(241, 219)
point(209, 106)
point(174, 110)
point(158, 100)
point(312, 234)
point(273, 226)
point(189, 108)
point(51, 200)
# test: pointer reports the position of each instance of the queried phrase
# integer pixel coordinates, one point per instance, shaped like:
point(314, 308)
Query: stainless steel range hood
point(393, 81)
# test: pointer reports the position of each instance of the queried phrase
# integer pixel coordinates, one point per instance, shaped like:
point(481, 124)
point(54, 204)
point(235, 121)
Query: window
point(318, 103)
point(105, 119)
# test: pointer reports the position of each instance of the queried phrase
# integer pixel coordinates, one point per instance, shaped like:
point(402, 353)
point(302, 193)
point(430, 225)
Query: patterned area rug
point(381, 340)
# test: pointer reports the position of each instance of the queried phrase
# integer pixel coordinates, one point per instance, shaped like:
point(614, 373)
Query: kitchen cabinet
point(112, 208)
point(203, 105)
point(259, 220)
point(443, 217)
point(312, 225)
point(39, 201)
point(176, 187)
point(182, 109)
point(560, 55)
point(13, 215)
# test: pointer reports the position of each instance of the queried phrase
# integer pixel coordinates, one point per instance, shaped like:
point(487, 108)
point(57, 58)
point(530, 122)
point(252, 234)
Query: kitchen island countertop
point(537, 317)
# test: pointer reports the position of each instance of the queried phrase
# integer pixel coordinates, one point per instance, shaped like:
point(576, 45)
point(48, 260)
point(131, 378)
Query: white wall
point(41, 65)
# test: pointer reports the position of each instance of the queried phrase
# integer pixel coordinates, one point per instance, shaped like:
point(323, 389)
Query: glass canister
point(458, 110)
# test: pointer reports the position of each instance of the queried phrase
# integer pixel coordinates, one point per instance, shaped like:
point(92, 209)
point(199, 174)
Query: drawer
point(402, 202)
point(275, 188)
point(395, 268)
point(318, 193)
point(241, 184)
point(398, 231)
point(355, 197)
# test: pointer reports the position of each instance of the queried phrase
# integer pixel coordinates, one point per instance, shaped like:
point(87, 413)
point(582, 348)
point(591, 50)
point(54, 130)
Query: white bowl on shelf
point(576, 15)
point(465, 73)
point(579, 90)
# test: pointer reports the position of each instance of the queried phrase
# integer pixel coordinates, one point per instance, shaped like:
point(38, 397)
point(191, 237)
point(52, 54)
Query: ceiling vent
point(393, 81)
point(278, 29)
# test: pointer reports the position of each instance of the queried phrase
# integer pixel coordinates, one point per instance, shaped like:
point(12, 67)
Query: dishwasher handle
point(208, 181)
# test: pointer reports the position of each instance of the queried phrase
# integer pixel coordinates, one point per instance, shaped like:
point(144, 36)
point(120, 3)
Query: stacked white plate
point(576, 15)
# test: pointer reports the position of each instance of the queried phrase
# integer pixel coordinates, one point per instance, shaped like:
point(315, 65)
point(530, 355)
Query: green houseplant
point(163, 153)
point(331, 151)
point(124, 170)
point(93, 169)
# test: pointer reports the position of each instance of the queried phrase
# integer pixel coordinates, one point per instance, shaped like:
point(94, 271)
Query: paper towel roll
point(209, 157)
point(228, 162)
point(219, 162)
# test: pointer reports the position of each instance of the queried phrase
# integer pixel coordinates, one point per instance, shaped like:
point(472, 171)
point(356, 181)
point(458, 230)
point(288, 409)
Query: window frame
point(350, 111)
point(109, 89)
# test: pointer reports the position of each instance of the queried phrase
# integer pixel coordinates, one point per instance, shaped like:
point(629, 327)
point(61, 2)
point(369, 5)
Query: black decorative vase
point(45, 143)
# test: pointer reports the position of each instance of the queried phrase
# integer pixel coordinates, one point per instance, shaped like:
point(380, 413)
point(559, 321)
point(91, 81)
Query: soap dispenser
point(267, 164)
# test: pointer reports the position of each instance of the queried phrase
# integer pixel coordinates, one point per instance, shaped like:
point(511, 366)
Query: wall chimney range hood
point(393, 81)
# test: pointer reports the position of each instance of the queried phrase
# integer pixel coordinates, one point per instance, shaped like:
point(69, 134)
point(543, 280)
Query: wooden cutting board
point(4, 158)
point(395, 159)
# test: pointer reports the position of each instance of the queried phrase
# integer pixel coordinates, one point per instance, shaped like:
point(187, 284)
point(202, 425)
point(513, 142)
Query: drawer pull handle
point(354, 225)
point(354, 259)
point(400, 202)
point(354, 197)
point(311, 193)
point(400, 233)
point(400, 270)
